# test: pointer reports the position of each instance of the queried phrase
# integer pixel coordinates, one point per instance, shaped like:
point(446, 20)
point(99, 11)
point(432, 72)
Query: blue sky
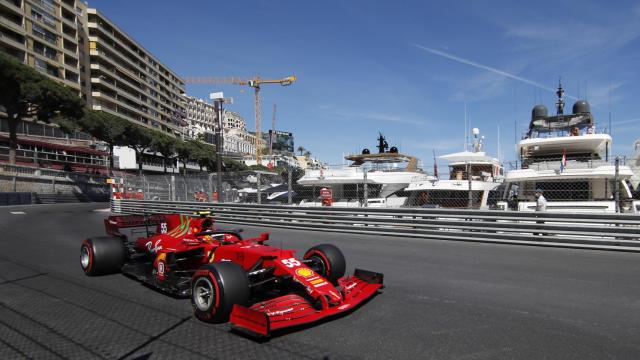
point(403, 68)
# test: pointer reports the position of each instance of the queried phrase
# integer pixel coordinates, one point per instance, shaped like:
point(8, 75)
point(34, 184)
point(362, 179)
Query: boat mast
point(466, 130)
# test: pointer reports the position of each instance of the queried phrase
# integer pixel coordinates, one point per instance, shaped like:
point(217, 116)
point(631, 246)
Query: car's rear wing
point(114, 223)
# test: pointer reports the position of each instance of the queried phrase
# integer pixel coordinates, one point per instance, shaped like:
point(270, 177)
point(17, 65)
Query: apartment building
point(201, 117)
point(128, 81)
point(45, 34)
point(233, 120)
point(82, 49)
point(236, 137)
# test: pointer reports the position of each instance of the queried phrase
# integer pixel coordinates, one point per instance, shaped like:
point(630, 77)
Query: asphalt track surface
point(443, 300)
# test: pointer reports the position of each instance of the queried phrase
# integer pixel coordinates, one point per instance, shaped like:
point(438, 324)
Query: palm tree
point(301, 149)
point(307, 154)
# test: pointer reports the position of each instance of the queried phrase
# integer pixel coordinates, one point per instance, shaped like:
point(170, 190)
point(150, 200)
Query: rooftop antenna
point(586, 87)
point(466, 132)
point(560, 102)
point(477, 142)
point(382, 144)
point(610, 132)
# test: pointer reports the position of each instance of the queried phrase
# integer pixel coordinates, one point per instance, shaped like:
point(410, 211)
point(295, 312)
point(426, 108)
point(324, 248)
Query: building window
point(43, 17)
point(40, 65)
point(45, 51)
point(48, 4)
point(47, 35)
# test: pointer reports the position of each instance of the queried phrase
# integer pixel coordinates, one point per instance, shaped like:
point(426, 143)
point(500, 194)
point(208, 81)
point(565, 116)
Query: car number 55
point(290, 263)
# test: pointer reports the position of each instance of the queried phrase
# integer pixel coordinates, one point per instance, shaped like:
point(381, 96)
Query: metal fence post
point(289, 187)
point(173, 188)
point(186, 194)
point(211, 186)
point(366, 189)
point(53, 185)
point(14, 184)
point(258, 192)
point(469, 180)
point(616, 185)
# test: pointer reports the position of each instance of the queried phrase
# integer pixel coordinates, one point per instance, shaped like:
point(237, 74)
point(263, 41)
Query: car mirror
point(264, 237)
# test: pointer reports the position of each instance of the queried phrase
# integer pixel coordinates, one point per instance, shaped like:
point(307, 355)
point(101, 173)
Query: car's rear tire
point(102, 255)
point(215, 288)
point(328, 261)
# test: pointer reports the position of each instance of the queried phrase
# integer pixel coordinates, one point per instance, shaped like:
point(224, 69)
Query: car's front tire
point(215, 288)
point(327, 260)
point(102, 255)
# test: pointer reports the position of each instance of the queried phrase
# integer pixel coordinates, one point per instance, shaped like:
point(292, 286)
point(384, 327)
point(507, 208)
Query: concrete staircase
point(61, 198)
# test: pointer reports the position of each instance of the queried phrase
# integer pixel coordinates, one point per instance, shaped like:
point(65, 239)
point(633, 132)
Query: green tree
point(25, 93)
point(105, 127)
point(139, 138)
point(307, 154)
point(203, 154)
point(165, 145)
point(234, 165)
point(186, 150)
point(301, 149)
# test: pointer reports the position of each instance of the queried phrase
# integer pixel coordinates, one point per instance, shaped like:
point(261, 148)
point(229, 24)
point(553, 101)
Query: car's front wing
point(293, 310)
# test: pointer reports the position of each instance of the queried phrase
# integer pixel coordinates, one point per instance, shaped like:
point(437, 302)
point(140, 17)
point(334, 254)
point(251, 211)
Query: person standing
point(541, 201)
point(541, 205)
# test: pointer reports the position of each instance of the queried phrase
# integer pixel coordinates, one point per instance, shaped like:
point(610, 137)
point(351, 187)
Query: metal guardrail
point(589, 231)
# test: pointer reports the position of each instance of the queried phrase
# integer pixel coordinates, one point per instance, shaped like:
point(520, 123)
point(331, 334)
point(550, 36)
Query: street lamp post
point(218, 100)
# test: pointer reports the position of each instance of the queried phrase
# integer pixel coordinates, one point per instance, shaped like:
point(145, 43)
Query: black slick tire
point(215, 288)
point(328, 261)
point(102, 255)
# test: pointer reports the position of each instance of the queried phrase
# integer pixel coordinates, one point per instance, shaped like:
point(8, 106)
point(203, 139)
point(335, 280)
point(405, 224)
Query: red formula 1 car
point(257, 287)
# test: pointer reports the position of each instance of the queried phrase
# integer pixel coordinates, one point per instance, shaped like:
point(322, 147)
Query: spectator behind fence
point(541, 201)
point(541, 205)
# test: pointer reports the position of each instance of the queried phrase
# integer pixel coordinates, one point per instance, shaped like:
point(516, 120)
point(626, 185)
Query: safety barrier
point(574, 230)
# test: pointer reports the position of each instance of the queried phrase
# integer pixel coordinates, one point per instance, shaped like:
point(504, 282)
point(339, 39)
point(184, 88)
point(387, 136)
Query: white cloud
point(483, 67)
point(485, 85)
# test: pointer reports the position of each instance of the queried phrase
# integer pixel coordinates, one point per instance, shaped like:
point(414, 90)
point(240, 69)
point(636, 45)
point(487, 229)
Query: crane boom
point(255, 83)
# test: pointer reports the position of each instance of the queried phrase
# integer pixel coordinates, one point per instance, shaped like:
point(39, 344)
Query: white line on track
point(18, 212)
point(102, 210)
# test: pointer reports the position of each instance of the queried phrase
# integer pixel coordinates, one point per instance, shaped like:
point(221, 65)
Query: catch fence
point(588, 186)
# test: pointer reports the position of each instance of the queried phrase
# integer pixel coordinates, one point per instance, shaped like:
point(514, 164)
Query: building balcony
point(12, 25)
point(8, 40)
point(70, 7)
point(113, 109)
point(119, 103)
point(11, 5)
point(159, 79)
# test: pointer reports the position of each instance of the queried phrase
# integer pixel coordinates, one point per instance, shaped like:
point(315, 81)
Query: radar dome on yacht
point(366, 151)
point(393, 150)
point(581, 107)
point(539, 111)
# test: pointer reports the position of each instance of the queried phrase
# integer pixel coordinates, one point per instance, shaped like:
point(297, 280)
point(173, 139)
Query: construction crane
point(256, 83)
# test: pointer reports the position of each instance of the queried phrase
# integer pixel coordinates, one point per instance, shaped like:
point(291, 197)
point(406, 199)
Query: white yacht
point(387, 173)
point(564, 156)
point(473, 179)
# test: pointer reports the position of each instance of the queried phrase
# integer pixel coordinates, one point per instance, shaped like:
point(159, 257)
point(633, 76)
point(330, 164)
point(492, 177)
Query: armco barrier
point(589, 231)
